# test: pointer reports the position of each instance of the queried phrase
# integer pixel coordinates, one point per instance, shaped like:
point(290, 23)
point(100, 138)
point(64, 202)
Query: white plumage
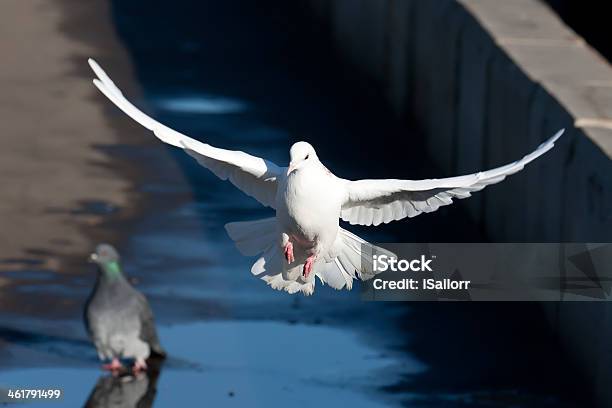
point(309, 200)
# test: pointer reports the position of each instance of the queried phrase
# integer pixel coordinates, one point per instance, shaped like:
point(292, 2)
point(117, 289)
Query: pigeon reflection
point(126, 390)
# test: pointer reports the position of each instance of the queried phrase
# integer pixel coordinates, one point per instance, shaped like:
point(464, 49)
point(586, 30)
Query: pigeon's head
point(301, 154)
point(104, 254)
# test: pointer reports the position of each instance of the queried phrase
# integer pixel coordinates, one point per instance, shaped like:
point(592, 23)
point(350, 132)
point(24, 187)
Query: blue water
point(247, 76)
point(247, 363)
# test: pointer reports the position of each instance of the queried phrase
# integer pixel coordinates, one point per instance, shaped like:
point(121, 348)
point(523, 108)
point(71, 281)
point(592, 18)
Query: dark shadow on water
point(500, 353)
point(31, 338)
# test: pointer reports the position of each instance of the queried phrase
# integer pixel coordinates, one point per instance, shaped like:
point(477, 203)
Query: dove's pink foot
point(139, 366)
point(114, 365)
point(289, 253)
point(308, 265)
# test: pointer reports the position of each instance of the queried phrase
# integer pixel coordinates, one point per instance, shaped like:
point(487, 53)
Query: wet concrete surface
point(243, 76)
point(54, 183)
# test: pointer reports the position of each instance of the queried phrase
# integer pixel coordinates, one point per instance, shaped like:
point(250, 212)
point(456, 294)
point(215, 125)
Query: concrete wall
point(488, 81)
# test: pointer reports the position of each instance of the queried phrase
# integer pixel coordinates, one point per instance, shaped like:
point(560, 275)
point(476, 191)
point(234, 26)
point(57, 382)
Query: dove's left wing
point(254, 176)
point(373, 202)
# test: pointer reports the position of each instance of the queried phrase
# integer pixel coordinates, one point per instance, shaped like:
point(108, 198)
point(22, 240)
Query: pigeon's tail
point(346, 261)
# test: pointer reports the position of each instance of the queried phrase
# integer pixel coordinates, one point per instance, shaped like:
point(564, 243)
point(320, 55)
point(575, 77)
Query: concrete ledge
point(488, 81)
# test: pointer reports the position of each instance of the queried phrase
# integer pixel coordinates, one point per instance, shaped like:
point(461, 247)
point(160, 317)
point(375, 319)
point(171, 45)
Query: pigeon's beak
point(290, 168)
point(93, 257)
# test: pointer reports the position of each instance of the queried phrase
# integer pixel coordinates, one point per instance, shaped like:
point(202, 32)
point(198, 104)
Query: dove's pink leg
point(139, 366)
point(114, 365)
point(308, 265)
point(289, 252)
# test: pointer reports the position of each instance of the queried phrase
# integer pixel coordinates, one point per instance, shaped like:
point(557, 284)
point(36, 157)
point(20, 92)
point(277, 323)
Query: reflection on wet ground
point(229, 77)
point(126, 390)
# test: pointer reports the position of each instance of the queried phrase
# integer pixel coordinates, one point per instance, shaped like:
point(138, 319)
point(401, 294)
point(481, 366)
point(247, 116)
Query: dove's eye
point(307, 156)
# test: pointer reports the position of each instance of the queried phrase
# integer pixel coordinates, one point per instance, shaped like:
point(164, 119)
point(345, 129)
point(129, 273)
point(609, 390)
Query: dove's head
point(107, 258)
point(302, 154)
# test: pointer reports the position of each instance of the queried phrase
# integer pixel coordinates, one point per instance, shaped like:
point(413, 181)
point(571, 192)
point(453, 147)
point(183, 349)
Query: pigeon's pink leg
point(115, 365)
point(308, 265)
point(139, 366)
point(289, 252)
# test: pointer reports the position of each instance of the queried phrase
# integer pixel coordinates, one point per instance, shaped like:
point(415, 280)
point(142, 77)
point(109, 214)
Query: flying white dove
point(304, 239)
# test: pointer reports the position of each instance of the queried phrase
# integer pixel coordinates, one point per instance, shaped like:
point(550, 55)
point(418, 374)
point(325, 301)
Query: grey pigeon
point(118, 317)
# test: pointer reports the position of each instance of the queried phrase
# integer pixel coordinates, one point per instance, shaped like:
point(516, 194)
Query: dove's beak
point(290, 168)
point(93, 257)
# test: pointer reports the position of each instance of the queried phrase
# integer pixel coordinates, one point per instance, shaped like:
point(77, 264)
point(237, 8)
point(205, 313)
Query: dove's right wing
point(372, 202)
point(254, 176)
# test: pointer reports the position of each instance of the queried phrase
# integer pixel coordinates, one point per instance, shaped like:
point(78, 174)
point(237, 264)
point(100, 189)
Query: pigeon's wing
point(373, 202)
point(254, 176)
point(86, 314)
point(148, 332)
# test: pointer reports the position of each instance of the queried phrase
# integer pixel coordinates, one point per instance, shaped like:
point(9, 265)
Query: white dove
point(304, 239)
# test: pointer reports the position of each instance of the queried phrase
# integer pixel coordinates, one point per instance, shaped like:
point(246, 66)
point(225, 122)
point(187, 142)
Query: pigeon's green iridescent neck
point(112, 269)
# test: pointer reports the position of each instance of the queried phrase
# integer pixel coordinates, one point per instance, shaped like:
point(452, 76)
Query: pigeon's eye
point(307, 156)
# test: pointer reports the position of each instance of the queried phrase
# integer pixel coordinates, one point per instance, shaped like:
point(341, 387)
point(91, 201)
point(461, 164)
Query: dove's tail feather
point(261, 237)
point(271, 268)
point(253, 237)
point(348, 259)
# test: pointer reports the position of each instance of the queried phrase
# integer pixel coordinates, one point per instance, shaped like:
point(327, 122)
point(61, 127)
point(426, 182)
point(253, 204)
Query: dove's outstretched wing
point(254, 176)
point(373, 202)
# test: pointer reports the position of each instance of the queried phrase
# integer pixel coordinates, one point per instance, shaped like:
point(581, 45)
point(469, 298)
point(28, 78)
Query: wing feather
point(374, 202)
point(254, 176)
